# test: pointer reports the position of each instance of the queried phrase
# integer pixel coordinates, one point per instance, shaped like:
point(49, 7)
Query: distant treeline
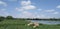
point(50, 19)
point(12, 18)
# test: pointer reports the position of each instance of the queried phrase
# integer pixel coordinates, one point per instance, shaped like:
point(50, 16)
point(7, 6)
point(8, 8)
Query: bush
point(58, 24)
point(2, 18)
point(40, 24)
point(9, 17)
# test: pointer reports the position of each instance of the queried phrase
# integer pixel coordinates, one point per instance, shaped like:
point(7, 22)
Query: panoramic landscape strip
point(20, 23)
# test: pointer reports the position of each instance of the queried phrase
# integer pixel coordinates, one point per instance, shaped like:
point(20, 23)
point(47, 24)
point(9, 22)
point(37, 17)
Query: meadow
point(22, 24)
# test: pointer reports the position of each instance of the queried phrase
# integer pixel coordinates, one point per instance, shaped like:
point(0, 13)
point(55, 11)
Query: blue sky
point(30, 8)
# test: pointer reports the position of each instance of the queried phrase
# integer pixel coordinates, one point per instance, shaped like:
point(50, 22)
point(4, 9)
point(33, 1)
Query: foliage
point(22, 24)
point(9, 17)
point(2, 18)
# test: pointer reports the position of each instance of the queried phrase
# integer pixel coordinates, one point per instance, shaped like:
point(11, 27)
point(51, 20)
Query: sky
point(30, 8)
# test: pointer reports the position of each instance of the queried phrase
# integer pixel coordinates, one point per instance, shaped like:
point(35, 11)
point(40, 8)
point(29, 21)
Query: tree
point(2, 18)
point(9, 17)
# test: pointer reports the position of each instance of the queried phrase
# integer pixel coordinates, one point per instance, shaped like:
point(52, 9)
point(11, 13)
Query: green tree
point(2, 18)
point(9, 17)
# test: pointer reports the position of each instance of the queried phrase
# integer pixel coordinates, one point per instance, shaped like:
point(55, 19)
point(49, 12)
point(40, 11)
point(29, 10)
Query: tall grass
point(22, 24)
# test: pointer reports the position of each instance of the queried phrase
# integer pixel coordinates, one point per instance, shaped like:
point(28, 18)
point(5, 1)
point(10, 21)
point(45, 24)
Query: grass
point(21, 24)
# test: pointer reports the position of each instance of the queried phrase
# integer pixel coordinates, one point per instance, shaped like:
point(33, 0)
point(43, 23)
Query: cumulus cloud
point(11, 0)
point(29, 7)
point(58, 6)
point(40, 16)
point(39, 9)
point(27, 14)
point(26, 5)
point(3, 3)
point(19, 9)
point(52, 10)
point(56, 13)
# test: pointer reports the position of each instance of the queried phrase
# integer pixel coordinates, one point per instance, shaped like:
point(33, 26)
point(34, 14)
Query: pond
point(46, 21)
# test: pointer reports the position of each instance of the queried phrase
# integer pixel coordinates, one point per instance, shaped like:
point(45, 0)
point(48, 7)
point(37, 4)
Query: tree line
point(12, 18)
point(3, 18)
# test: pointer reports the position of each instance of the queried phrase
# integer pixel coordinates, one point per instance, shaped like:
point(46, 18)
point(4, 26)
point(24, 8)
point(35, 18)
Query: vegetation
point(22, 24)
point(17, 23)
point(50, 19)
point(2, 18)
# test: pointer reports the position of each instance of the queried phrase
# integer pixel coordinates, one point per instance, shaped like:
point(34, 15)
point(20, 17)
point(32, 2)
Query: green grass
point(21, 24)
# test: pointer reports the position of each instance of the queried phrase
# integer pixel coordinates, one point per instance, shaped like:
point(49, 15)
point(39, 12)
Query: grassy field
point(21, 24)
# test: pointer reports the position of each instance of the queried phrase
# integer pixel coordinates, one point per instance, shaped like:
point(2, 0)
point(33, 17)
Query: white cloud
point(56, 13)
point(52, 10)
point(19, 9)
point(39, 9)
point(58, 6)
point(10, 0)
point(13, 0)
point(26, 5)
point(38, 16)
point(27, 14)
point(3, 3)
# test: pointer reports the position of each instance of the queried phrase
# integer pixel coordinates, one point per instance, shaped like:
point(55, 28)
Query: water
point(46, 22)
